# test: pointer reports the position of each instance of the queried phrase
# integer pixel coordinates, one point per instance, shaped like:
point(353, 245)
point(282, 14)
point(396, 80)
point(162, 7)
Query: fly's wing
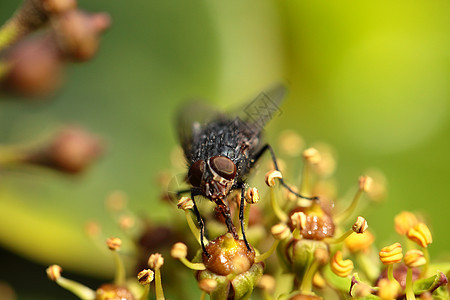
point(190, 120)
point(264, 107)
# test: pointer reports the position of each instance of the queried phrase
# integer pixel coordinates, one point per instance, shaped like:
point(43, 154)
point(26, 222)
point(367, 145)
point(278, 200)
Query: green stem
point(203, 296)
point(158, 285)
point(266, 255)
point(305, 184)
point(409, 286)
point(145, 292)
point(9, 33)
point(193, 228)
point(391, 272)
point(120, 269)
point(348, 212)
point(191, 265)
point(306, 285)
point(426, 254)
point(281, 215)
point(339, 239)
point(78, 289)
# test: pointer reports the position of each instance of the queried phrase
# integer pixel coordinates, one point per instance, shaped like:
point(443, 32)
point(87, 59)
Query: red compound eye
point(223, 166)
point(195, 173)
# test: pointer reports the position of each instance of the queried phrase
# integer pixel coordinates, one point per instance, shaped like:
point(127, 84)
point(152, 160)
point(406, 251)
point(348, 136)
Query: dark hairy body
point(221, 150)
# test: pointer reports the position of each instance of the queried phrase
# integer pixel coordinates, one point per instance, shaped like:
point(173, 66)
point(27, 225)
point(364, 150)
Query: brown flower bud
point(311, 155)
point(155, 261)
point(71, 151)
point(114, 244)
point(179, 250)
point(58, 6)
point(207, 285)
point(78, 33)
point(35, 68)
point(54, 272)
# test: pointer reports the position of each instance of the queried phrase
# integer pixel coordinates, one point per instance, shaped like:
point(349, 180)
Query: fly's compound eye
point(223, 166)
point(195, 173)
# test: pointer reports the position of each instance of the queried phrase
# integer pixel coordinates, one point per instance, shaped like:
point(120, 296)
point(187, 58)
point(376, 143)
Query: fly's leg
point(274, 159)
point(241, 217)
point(200, 223)
point(225, 211)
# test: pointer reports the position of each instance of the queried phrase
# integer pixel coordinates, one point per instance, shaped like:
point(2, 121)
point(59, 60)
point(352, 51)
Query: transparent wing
point(264, 107)
point(190, 119)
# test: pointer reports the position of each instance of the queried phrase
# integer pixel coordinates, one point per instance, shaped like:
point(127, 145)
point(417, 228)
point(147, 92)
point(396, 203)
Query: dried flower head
point(360, 225)
point(280, 231)
point(145, 276)
point(185, 203)
point(252, 195)
point(271, 176)
point(114, 243)
point(54, 272)
point(178, 250)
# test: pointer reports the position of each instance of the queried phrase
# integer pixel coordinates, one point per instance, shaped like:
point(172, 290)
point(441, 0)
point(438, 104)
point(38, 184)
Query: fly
point(221, 150)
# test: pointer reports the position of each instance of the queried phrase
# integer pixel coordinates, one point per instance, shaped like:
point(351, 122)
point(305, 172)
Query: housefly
point(221, 150)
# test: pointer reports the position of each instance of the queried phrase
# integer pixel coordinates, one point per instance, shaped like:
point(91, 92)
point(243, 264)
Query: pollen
point(391, 254)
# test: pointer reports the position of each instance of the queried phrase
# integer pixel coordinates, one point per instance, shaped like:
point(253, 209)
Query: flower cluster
point(322, 251)
point(34, 65)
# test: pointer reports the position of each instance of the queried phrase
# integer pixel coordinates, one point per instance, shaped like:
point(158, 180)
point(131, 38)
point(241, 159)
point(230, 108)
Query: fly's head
point(214, 177)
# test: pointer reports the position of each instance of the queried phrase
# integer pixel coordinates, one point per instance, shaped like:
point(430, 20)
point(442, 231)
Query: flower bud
point(359, 242)
point(404, 221)
point(341, 267)
point(365, 183)
point(78, 33)
point(312, 156)
point(72, 150)
point(113, 291)
point(208, 285)
point(54, 272)
point(391, 254)
point(420, 234)
point(179, 250)
point(271, 176)
point(35, 68)
point(114, 244)
point(155, 261)
point(291, 143)
point(58, 6)
point(280, 231)
point(388, 289)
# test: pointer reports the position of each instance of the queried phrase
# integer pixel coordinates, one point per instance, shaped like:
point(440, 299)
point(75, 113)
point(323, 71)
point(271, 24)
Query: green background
point(369, 78)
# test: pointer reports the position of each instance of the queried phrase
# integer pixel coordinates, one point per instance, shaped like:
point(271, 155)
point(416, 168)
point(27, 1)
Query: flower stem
point(158, 285)
point(426, 254)
point(266, 255)
point(191, 265)
point(194, 228)
point(348, 212)
point(306, 285)
point(391, 272)
point(281, 215)
point(78, 289)
point(339, 239)
point(409, 286)
point(120, 269)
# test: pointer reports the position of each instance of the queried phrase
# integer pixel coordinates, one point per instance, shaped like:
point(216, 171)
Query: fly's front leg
point(274, 159)
point(199, 221)
point(241, 216)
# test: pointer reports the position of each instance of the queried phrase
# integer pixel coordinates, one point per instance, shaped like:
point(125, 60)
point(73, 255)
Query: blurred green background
point(369, 78)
